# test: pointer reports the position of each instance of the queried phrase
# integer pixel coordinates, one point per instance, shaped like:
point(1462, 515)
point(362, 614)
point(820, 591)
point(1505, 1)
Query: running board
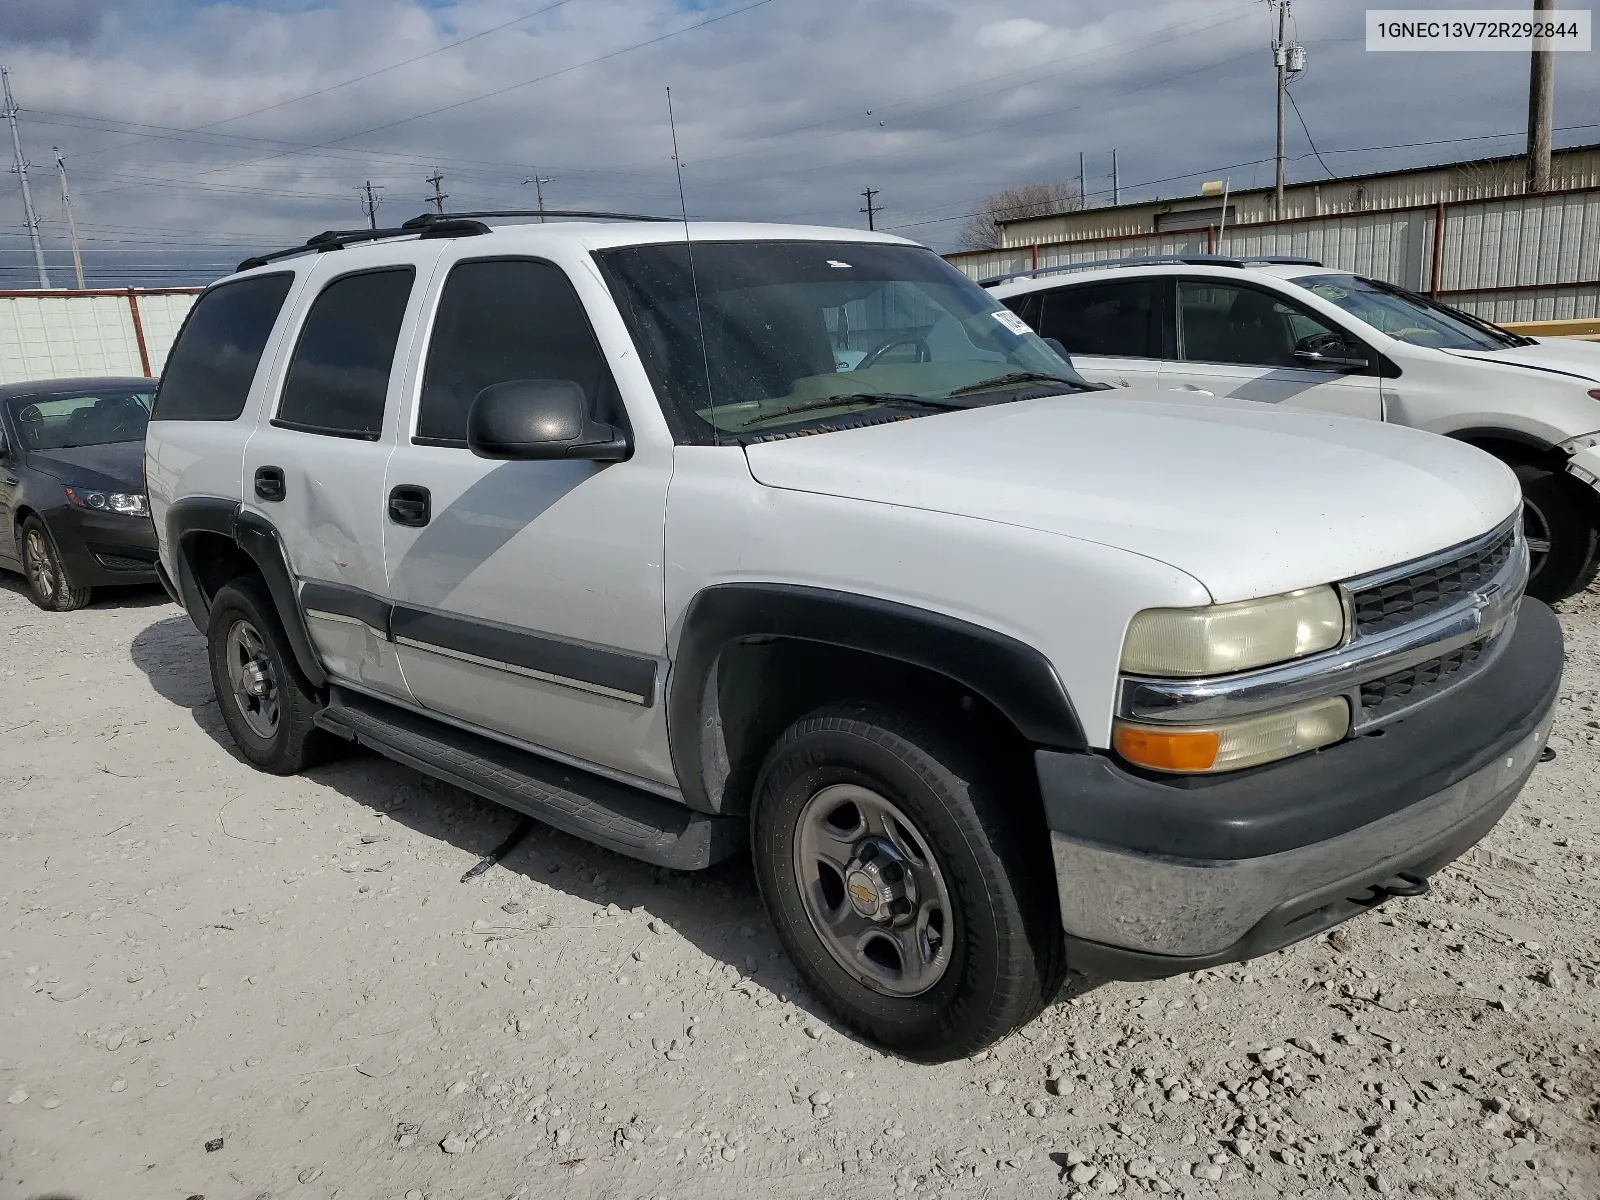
point(610, 814)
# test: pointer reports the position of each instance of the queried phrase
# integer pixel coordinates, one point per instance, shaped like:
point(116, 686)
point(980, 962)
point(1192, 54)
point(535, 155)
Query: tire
point(48, 585)
point(267, 703)
point(988, 964)
point(1561, 514)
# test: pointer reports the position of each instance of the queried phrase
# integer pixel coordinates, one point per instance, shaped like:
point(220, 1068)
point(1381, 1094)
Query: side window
point(339, 375)
point(214, 360)
point(1225, 323)
point(504, 319)
point(1117, 319)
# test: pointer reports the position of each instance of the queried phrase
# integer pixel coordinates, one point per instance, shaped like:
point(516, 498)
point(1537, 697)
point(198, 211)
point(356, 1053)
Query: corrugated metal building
point(1466, 232)
point(59, 334)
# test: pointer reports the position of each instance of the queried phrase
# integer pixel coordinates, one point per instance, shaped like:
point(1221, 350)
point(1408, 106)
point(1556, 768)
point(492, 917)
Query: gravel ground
point(215, 983)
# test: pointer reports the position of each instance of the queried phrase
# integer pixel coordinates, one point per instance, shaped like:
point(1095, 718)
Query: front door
point(528, 596)
point(315, 470)
point(1247, 342)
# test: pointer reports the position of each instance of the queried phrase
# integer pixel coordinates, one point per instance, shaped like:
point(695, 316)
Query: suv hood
point(1250, 500)
point(1570, 356)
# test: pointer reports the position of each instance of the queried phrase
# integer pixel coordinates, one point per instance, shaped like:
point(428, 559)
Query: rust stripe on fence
point(138, 331)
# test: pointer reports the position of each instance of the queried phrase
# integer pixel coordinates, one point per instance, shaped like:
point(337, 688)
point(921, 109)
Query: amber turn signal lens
point(1180, 750)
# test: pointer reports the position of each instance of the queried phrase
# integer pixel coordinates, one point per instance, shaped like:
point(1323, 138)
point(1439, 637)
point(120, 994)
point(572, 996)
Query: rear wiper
point(851, 398)
point(1016, 377)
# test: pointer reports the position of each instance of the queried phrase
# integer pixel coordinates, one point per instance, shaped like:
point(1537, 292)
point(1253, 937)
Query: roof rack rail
point(1145, 260)
point(563, 213)
point(430, 225)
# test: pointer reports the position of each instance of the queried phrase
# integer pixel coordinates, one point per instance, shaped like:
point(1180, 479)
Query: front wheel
point(1559, 519)
point(907, 888)
point(48, 585)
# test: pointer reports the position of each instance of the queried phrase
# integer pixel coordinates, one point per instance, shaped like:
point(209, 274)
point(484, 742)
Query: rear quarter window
point(214, 360)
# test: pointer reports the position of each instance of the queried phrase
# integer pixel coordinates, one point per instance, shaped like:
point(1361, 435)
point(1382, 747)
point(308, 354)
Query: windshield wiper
point(851, 398)
point(1017, 377)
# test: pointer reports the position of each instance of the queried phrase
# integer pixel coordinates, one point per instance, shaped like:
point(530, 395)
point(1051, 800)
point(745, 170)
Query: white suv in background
point(795, 542)
point(1293, 332)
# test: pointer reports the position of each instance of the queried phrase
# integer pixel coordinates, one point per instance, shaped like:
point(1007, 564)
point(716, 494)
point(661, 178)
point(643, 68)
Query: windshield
point(1405, 316)
point(802, 333)
point(64, 421)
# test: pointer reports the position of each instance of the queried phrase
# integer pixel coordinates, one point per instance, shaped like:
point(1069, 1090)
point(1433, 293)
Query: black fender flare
point(258, 538)
point(1012, 676)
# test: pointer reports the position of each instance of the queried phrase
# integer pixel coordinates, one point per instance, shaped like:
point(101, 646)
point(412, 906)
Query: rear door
point(10, 483)
point(315, 468)
point(528, 596)
point(1241, 340)
point(1112, 330)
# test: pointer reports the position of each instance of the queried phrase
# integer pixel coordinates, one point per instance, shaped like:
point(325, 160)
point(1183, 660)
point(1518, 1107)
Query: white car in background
point(1293, 332)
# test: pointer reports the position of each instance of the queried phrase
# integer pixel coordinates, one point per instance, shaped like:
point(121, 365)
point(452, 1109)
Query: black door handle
point(410, 505)
point(269, 484)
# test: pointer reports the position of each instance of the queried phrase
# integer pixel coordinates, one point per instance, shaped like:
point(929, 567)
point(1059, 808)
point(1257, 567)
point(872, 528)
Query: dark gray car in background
point(73, 513)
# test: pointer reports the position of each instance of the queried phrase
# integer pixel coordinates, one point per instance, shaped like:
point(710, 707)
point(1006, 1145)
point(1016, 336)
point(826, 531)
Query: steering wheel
point(924, 352)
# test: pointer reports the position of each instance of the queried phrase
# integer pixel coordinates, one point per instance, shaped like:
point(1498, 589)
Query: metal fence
point(57, 334)
point(1514, 258)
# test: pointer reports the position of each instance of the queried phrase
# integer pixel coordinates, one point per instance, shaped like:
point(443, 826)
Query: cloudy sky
point(199, 125)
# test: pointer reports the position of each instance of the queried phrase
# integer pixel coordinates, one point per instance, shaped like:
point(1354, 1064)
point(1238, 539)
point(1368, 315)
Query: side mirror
point(1329, 352)
point(1055, 344)
point(540, 419)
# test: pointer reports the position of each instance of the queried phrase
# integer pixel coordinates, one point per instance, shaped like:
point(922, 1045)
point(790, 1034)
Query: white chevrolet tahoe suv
point(1291, 331)
point(795, 542)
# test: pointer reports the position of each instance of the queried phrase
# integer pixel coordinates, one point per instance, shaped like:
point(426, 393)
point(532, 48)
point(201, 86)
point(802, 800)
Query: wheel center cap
point(879, 884)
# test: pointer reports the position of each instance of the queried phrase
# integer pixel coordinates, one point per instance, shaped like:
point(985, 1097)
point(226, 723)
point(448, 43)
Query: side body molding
point(1011, 675)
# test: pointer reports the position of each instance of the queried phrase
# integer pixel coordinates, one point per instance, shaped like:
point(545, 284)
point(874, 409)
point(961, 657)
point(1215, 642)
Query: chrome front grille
point(1404, 689)
point(1392, 604)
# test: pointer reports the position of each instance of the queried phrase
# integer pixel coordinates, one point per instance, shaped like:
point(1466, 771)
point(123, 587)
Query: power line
point(1307, 132)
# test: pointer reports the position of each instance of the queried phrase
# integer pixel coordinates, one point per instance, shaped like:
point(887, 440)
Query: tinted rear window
point(339, 376)
point(211, 366)
point(1118, 319)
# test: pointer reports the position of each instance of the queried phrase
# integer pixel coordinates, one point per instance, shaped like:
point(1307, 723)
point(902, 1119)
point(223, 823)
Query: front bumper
point(99, 549)
point(1158, 876)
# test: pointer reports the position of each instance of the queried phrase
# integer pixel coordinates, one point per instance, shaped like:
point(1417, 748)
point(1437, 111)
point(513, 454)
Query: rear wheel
point(48, 584)
point(1559, 519)
point(267, 703)
point(905, 883)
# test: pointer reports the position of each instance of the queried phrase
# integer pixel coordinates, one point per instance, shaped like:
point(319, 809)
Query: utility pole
point(438, 197)
point(1541, 104)
point(1083, 186)
point(872, 210)
point(21, 168)
point(372, 201)
point(1116, 181)
point(72, 226)
point(538, 182)
point(1280, 56)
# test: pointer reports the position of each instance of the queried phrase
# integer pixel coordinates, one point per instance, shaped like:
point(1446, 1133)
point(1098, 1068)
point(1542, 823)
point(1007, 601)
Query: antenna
point(694, 282)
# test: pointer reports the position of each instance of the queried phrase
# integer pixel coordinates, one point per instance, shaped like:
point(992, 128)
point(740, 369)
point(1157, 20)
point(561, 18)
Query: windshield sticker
point(837, 265)
point(1012, 322)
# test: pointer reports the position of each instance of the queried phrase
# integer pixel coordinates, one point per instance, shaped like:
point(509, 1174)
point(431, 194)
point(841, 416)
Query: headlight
point(1233, 745)
point(1223, 638)
point(129, 504)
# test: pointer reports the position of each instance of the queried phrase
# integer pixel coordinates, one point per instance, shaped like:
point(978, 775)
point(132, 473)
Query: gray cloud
point(70, 21)
point(785, 112)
